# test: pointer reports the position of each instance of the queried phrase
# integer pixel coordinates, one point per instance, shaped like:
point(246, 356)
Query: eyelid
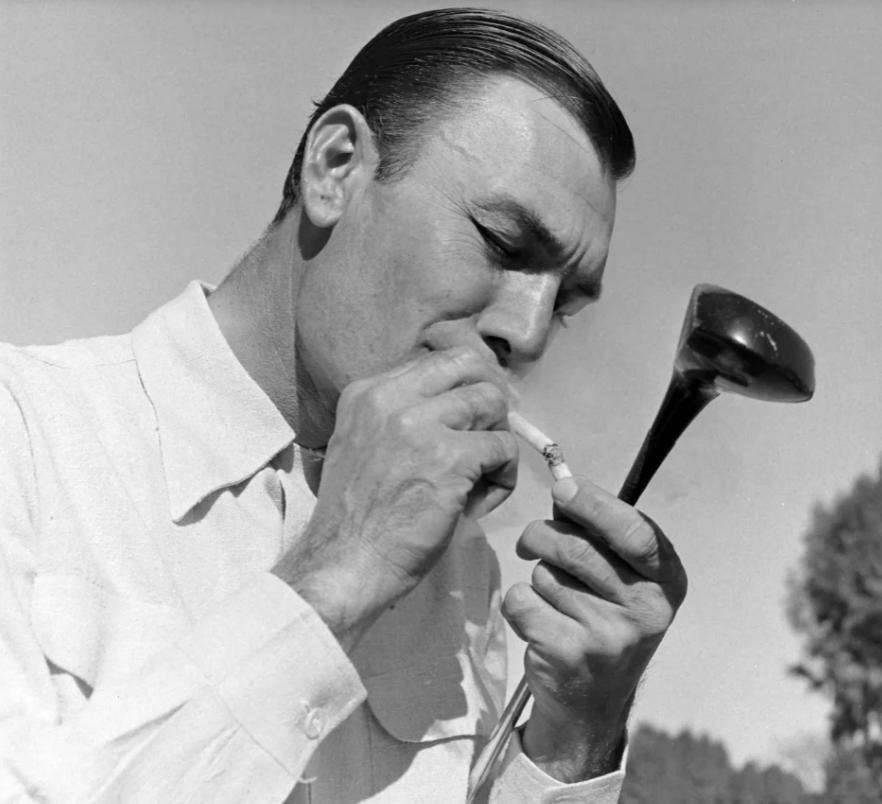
point(519, 255)
point(495, 241)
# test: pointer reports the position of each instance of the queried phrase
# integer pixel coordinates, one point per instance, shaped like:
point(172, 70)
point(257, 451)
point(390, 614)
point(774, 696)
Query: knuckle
point(496, 399)
point(461, 357)
point(484, 403)
point(506, 448)
point(578, 552)
point(372, 398)
point(401, 423)
point(471, 397)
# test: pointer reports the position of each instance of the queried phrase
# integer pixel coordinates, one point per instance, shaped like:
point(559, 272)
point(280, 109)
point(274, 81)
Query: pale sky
point(145, 144)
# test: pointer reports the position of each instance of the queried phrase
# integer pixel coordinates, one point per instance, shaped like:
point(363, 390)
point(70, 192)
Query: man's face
point(501, 228)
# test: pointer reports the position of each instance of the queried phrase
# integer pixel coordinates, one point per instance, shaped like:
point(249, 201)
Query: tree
point(690, 769)
point(685, 769)
point(850, 780)
point(835, 604)
point(805, 755)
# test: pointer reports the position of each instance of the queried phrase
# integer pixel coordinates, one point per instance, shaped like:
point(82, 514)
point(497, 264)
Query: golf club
point(728, 344)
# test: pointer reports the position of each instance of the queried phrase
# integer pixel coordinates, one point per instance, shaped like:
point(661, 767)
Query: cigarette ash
point(553, 455)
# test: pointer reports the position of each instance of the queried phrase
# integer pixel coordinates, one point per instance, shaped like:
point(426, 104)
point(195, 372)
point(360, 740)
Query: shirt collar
point(216, 425)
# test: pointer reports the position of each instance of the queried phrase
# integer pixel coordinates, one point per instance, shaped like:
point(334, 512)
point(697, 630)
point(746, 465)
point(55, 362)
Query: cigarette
point(545, 446)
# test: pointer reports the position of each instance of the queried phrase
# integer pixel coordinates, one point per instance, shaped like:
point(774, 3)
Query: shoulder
point(69, 393)
point(57, 371)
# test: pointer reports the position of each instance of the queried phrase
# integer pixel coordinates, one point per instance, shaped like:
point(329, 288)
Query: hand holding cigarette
point(412, 450)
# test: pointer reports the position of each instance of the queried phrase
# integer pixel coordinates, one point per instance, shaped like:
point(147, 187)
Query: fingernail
point(564, 490)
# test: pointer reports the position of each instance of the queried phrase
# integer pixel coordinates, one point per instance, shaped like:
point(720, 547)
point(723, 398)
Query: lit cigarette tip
point(553, 455)
point(545, 446)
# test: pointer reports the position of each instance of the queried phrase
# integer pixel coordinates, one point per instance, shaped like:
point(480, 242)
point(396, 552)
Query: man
point(240, 555)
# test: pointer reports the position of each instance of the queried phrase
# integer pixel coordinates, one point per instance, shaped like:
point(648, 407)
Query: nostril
point(501, 348)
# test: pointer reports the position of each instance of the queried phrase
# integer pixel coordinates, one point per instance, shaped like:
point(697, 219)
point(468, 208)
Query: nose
point(517, 325)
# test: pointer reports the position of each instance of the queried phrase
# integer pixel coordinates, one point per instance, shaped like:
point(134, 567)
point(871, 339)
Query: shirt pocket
point(422, 721)
point(440, 698)
point(434, 666)
point(94, 635)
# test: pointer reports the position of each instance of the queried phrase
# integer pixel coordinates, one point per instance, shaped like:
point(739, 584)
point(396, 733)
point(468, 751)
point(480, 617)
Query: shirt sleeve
point(232, 712)
point(520, 781)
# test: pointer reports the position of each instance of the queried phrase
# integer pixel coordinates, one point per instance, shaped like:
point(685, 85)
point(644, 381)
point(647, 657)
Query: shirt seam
point(35, 486)
point(22, 351)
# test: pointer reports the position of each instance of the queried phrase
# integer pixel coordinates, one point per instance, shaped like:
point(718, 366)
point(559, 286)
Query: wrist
point(329, 599)
point(574, 752)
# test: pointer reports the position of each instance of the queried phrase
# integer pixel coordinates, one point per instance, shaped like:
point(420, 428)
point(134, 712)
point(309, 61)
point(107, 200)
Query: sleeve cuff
point(520, 781)
point(277, 667)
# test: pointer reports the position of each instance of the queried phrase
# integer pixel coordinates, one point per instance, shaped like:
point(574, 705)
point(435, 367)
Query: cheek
point(456, 279)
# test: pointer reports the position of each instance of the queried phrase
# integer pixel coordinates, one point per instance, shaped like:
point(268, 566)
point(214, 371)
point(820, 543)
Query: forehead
point(513, 141)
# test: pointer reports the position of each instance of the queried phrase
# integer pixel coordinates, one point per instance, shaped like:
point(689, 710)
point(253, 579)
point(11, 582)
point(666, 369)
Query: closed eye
point(498, 248)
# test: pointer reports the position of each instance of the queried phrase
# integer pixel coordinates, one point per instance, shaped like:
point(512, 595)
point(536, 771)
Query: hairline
point(467, 85)
point(477, 84)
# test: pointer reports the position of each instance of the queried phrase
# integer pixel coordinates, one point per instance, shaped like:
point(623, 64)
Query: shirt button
point(315, 723)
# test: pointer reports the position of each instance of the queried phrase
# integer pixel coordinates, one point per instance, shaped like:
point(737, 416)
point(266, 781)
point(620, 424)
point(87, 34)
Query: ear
point(339, 156)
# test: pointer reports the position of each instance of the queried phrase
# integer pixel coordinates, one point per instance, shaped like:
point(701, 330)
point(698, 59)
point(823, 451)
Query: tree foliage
point(850, 780)
point(690, 769)
point(835, 605)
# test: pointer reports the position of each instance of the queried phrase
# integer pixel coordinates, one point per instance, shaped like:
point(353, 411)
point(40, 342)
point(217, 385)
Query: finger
point(548, 630)
point(566, 594)
point(527, 612)
point(477, 406)
point(441, 371)
point(629, 533)
point(579, 554)
point(497, 470)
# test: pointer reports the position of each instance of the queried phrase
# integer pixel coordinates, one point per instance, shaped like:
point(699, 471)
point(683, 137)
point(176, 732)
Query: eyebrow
point(528, 221)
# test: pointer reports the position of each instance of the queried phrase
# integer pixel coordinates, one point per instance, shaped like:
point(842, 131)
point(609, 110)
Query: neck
point(255, 310)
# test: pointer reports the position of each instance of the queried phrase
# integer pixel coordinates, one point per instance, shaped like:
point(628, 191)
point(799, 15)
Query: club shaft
point(686, 397)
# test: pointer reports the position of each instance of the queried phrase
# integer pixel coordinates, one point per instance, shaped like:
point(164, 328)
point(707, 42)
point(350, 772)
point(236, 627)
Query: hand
point(605, 590)
point(412, 450)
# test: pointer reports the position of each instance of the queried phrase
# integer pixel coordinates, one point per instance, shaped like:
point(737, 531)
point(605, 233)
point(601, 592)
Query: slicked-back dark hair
point(423, 66)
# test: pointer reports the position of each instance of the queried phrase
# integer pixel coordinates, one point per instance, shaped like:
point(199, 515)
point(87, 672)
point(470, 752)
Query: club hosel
point(687, 395)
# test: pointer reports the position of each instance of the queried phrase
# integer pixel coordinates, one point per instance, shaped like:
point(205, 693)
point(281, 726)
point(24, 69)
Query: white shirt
point(147, 654)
